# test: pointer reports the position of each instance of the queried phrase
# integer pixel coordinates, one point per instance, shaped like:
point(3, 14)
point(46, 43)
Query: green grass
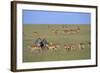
point(60, 54)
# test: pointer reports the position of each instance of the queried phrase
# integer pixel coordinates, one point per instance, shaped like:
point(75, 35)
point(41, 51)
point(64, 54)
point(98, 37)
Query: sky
point(55, 17)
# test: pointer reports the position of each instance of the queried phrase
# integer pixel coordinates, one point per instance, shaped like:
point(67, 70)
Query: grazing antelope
point(73, 46)
point(67, 31)
point(89, 43)
point(75, 30)
point(53, 46)
point(36, 33)
point(53, 30)
point(35, 48)
point(78, 29)
point(81, 46)
point(69, 47)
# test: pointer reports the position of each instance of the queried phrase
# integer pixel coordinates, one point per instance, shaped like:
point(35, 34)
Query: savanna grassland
point(55, 33)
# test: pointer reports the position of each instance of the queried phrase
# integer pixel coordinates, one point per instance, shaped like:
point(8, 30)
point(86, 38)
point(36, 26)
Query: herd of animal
point(56, 46)
point(50, 46)
point(64, 30)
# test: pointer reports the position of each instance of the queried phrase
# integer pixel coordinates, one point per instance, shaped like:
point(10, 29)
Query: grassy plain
point(45, 31)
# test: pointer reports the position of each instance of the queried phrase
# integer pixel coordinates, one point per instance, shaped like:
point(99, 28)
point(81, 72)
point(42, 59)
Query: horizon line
point(57, 24)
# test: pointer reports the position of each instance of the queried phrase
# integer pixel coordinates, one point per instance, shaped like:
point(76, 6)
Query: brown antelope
point(67, 31)
point(69, 47)
point(53, 30)
point(81, 46)
point(53, 46)
point(75, 30)
point(35, 33)
point(35, 48)
point(89, 43)
point(78, 29)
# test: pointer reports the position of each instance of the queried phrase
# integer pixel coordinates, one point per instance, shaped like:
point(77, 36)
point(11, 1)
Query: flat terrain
point(55, 33)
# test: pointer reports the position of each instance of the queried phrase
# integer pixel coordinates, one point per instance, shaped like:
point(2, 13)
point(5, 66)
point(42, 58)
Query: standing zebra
point(38, 41)
point(41, 43)
point(45, 43)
